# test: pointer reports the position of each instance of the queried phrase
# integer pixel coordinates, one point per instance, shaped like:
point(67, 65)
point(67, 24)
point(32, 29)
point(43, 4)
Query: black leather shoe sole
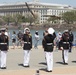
point(26, 66)
point(65, 63)
point(48, 71)
point(3, 67)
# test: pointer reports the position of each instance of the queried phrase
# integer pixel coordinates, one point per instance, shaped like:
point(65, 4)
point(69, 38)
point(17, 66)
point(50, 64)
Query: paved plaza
point(37, 62)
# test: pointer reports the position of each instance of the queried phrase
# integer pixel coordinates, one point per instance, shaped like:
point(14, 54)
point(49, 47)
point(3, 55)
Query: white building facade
point(38, 8)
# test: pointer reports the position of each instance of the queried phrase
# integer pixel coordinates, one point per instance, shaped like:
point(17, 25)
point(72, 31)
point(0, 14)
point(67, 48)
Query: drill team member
point(48, 44)
point(4, 48)
point(27, 39)
point(65, 44)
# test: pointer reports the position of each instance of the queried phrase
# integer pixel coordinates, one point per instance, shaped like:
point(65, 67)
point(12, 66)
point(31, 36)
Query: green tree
point(30, 19)
point(53, 19)
point(7, 19)
point(1, 20)
point(23, 19)
point(17, 18)
point(69, 17)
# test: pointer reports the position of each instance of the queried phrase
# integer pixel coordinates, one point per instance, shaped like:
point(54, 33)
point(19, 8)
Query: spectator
point(14, 39)
point(37, 37)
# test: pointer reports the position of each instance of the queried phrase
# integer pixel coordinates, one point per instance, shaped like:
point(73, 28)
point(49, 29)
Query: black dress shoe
point(3, 67)
point(26, 66)
point(48, 71)
point(65, 63)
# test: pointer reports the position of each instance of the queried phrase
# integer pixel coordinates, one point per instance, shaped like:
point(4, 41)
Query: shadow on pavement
point(43, 63)
point(60, 63)
point(43, 69)
point(74, 61)
point(20, 64)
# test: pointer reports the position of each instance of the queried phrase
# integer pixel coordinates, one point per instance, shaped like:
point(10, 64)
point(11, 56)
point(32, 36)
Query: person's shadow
point(60, 63)
point(43, 69)
point(43, 63)
point(74, 61)
point(20, 64)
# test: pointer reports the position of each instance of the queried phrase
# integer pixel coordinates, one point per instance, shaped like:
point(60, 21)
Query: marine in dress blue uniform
point(27, 39)
point(65, 44)
point(4, 44)
point(48, 45)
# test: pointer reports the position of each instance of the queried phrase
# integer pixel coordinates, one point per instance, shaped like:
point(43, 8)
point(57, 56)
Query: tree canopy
point(18, 18)
point(53, 19)
point(69, 17)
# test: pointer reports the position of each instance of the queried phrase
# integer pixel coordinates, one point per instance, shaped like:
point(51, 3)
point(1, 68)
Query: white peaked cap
point(65, 31)
point(51, 30)
point(26, 29)
point(36, 31)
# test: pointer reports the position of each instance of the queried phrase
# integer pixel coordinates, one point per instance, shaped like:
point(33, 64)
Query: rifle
point(30, 9)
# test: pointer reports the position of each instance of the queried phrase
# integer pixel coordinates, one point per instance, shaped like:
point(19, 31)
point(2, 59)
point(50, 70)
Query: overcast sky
point(68, 2)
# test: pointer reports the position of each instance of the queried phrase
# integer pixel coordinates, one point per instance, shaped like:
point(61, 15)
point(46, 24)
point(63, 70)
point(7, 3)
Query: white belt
point(3, 43)
point(27, 42)
point(66, 42)
point(49, 43)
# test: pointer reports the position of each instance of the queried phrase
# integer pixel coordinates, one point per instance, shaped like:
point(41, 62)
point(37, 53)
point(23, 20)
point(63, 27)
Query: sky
point(68, 2)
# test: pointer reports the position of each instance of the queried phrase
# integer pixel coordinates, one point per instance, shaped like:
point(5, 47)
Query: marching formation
point(62, 41)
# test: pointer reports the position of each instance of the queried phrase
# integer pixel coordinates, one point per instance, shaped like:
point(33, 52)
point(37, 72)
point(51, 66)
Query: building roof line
point(35, 3)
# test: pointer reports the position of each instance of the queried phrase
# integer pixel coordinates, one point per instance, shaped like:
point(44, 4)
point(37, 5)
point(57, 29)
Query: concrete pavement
point(37, 61)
